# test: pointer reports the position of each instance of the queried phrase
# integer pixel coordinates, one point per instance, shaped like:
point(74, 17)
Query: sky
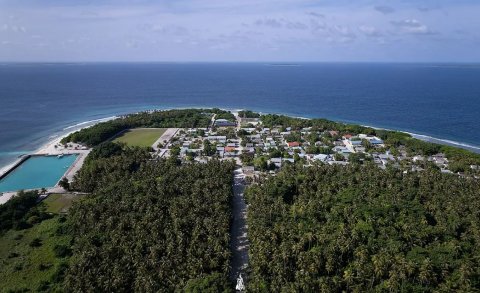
point(239, 30)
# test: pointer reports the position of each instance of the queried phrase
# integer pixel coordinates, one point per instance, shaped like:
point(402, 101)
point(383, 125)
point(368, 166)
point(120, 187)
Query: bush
point(13, 213)
point(64, 183)
point(44, 267)
point(18, 266)
point(36, 242)
point(213, 283)
point(62, 250)
point(43, 286)
point(59, 274)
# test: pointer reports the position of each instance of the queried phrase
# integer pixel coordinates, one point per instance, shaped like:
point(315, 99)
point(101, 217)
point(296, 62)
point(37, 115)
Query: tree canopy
point(362, 229)
point(150, 226)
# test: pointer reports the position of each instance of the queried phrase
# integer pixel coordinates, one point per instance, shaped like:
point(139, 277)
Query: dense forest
point(100, 132)
point(145, 226)
point(150, 226)
point(362, 229)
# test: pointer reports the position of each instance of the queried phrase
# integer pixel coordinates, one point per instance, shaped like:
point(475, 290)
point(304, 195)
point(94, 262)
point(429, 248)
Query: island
point(212, 200)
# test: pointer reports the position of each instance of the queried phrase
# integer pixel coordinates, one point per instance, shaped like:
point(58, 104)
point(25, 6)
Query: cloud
point(428, 8)
point(341, 34)
point(281, 23)
point(269, 22)
point(317, 26)
point(370, 31)
point(315, 14)
point(243, 30)
point(412, 26)
point(13, 28)
point(296, 25)
point(384, 9)
point(175, 30)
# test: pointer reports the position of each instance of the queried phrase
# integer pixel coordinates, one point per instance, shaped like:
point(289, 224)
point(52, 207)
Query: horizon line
point(242, 62)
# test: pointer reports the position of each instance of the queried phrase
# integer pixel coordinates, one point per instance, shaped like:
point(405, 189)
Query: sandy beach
point(49, 147)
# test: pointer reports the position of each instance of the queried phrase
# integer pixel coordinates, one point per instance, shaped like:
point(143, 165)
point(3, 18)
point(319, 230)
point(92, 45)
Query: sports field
point(142, 137)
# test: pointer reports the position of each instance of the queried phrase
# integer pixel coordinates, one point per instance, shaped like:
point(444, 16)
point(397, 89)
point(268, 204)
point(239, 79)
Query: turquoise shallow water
point(37, 172)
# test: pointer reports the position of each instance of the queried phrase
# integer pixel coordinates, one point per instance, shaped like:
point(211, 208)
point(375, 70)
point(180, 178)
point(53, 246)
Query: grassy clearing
point(142, 137)
point(60, 203)
point(30, 264)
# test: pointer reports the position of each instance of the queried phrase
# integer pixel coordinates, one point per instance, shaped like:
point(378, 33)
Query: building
point(293, 144)
point(220, 139)
point(248, 170)
point(229, 149)
point(224, 123)
point(321, 157)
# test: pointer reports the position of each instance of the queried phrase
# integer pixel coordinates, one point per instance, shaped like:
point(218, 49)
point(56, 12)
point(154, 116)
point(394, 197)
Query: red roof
point(333, 132)
point(293, 144)
point(229, 149)
point(348, 136)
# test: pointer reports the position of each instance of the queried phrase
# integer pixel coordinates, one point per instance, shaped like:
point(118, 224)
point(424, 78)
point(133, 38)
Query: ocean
point(41, 101)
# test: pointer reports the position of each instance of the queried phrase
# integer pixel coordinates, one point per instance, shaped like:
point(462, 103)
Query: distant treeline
point(101, 132)
point(150, 226)
point(248, 114)
point(221, 114)
point(362, 229)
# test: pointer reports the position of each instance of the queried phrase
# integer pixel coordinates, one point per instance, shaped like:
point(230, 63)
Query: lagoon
point(37, 172)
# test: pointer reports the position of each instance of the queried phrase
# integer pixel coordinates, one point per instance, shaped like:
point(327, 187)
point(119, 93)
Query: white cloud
point(370, 31)
point(412, 26)
point(244, 30)
point(13, 28)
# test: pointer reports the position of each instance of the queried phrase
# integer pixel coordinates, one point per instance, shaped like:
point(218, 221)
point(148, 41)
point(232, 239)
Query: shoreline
point(48, 147)
point(57, 137)
point(423, 137)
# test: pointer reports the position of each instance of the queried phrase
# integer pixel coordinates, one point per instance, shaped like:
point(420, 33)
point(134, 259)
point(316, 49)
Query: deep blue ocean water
point(38, 101)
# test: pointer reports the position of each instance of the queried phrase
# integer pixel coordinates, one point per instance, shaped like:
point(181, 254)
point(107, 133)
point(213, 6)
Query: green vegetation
point(462, 159)
point(60, 203)
point(248, 114)
point(272, 120)
point(141, 137)
point(21, 212)
point(168, 224)
point(101, 132)
point(33, 246)
point(159, 226)
point(29, 260)
point(362, 229)
point(214, 283)
point(222, 114)
point(228, 132)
